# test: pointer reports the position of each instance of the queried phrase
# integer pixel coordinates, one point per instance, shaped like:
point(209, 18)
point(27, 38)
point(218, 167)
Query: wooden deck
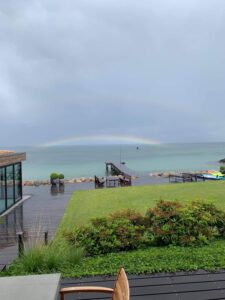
point(199, 285)
point(42, 212)
point(185, 177)
point(119, 169)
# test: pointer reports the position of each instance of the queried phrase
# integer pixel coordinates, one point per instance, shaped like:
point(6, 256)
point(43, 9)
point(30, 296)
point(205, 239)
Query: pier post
point(107, 169)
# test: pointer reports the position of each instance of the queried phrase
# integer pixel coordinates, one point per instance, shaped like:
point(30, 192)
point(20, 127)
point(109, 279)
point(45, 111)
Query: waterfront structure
point(10, 179)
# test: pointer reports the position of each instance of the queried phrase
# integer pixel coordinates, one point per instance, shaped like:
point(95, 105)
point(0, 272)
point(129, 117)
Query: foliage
point(168, 223)
point(193, 224)
point(153, 259)
point(132, 215)
point(112, 234)
point(86, 205)
point(54, 176)
point(222, 169)
point(46, 259)
point(61, 176)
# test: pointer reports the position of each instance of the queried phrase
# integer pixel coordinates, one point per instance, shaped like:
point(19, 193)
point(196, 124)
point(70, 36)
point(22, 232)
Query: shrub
point(168, 223)
point(162, 220)
point(194, 224)
point(222, 169)
point(112, 234)
point(133, 216)
point(61, 176)
point(54, 176)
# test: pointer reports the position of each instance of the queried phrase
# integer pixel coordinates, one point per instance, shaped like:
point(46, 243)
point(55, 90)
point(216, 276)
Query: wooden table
point(35, 287)
point(112, 181)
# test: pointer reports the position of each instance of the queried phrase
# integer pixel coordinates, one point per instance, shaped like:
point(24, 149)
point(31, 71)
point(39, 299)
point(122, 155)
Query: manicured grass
point(85, 205)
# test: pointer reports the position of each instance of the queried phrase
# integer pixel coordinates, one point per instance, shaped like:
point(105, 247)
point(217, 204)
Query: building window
point(18, 182)
point(10, 185)
point(2, 190)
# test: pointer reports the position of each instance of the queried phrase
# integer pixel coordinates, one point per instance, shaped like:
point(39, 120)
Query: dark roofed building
point(10, 178)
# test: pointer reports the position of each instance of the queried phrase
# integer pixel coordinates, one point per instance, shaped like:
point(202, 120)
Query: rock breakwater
point(66, 181)
point(47, 182)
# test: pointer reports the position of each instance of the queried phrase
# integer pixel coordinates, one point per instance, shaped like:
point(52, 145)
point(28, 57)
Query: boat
point(208, 176)
point(215, 173)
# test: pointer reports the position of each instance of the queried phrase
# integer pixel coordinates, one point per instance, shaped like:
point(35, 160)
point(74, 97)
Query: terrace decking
point(41, 213)
point(199, 285)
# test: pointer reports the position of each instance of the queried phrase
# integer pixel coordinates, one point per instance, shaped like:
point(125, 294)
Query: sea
point(86, 161)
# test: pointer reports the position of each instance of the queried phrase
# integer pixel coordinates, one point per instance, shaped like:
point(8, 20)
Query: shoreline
point(72, 180)
point(91, 179)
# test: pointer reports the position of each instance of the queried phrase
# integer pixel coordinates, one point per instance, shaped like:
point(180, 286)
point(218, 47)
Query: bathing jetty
point(116, 168)
point(185, 177)
point(117, 174)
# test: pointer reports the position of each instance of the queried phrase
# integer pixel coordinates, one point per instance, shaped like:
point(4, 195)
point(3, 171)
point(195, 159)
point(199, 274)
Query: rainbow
point(111, 139)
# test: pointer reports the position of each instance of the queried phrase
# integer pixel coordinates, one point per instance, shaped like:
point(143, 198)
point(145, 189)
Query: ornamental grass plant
point(41, 259)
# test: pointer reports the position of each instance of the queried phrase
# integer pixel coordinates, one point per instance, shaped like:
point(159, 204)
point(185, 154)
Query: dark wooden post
point(46, 238)
point(107, 169)
point(20, 243)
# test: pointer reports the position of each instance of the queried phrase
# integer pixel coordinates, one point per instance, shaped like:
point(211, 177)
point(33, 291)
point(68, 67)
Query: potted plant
point(61, 178)
point(54, 178)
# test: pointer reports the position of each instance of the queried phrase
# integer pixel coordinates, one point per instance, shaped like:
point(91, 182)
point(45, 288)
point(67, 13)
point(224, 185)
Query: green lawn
point(85, 205)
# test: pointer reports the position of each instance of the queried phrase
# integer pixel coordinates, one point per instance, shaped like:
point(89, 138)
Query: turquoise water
point(86, 161)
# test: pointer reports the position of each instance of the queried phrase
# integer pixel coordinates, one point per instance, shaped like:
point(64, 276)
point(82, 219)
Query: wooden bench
point(121, 290)
point(125, 180)
point(99, 183)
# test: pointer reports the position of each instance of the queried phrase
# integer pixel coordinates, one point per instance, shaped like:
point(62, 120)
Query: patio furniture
point(99, 183)
point(119, 292)
point(35, 287)
point(112, 181)
point(125, 180)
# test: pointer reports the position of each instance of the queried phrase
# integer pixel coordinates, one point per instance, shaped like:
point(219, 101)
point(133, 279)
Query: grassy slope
point(85, 205)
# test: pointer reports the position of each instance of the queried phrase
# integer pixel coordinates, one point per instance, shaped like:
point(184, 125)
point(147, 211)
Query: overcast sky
point(150, 69)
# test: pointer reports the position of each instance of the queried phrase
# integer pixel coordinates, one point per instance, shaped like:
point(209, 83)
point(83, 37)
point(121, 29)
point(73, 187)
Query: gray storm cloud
point(154, 69)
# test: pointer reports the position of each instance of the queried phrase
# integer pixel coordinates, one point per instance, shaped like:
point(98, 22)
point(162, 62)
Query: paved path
point(42, 212)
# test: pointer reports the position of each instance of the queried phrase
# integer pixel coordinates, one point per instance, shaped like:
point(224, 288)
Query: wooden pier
point(185, 177)
point(114, 168)
point(117, 174)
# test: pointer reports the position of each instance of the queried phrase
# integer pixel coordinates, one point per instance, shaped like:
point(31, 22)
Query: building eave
point(11, 158)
